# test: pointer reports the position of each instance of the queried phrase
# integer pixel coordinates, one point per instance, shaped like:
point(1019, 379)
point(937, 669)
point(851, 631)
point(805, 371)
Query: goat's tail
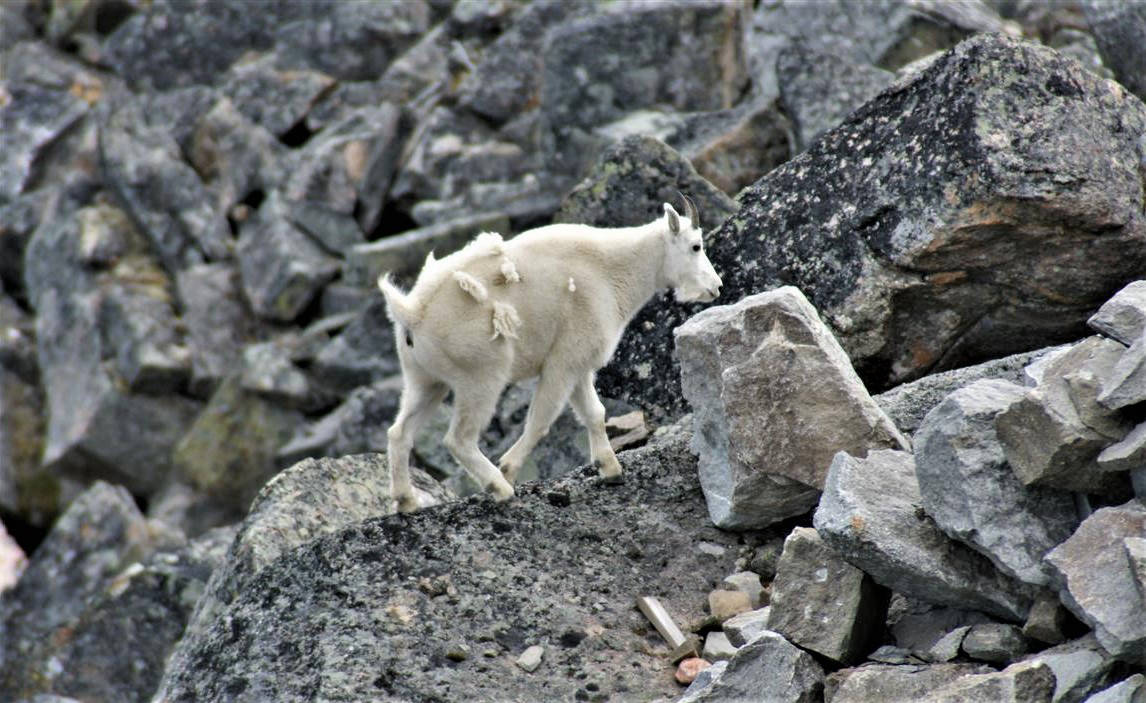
point(398, 304)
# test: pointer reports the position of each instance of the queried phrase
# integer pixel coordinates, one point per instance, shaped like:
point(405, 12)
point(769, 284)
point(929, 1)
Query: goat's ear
point(673, 219)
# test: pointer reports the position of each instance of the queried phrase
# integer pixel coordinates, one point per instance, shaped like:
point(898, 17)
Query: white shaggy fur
point(498, 311)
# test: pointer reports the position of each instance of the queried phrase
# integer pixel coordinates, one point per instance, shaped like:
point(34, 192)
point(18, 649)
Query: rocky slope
point(196, 373)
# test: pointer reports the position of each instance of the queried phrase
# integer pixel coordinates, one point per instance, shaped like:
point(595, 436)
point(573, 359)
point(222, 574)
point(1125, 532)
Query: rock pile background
point(936, 202)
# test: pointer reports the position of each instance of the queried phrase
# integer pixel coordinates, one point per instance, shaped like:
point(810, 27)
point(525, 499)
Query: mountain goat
point(550, 303)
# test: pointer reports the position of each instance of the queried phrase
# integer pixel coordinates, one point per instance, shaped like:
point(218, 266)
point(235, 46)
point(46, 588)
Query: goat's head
point(687, 269)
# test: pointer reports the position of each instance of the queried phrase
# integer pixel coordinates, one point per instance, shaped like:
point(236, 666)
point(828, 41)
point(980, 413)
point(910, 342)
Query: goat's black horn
point(690, 211)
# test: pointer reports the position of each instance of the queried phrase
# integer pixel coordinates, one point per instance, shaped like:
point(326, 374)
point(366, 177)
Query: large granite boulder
point(769, 362)
point(972, 493)
point(872, 514)
point(946, 194)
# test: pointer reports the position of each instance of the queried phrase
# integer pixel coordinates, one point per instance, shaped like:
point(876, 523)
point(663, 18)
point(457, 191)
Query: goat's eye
point(696, 247)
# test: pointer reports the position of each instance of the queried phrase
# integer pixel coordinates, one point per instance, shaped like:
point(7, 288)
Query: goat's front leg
point(591, 413)
point(419, 399)
point(472, 412)
point(548, 401)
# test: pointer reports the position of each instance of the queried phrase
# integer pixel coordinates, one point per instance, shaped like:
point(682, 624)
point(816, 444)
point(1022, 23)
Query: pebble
point(747, 582)
point(718, 647)
point(725, 604)
point(689, 669)
point(530, 659)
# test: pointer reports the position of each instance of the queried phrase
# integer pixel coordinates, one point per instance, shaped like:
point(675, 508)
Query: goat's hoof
point(501, 491)
point(408, 503)
point(610, 473)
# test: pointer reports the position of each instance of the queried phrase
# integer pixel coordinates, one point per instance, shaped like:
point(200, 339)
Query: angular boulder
point(1053, 434)
point(1097, 582)
point(970, 491)
point(949, 200)
point(769, 362)
point(1123, 317)
point(871, 513)
point(874, 682)
point(1117, 28)
point(824, 604)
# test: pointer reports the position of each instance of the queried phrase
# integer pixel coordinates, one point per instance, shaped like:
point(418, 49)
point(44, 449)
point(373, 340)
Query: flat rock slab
point(1097, 582)
point(370, 611)
point(872, 515)
point(1123, 317)
point(769, 362)
point(972, 493)
point(894, 682)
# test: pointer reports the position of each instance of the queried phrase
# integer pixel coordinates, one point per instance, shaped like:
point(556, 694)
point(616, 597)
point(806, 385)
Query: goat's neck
point(637, 261)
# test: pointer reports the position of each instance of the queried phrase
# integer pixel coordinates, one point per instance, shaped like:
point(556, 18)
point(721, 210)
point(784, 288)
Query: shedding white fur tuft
point(492, 240)
point(471, 285)
point(572, 285)
point(509, 271)
point(505, 321)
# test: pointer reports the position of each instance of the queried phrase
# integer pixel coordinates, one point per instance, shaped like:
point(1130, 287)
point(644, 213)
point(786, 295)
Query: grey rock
point(282, 269)
point(403, 254)
point(1127, 454)
point(884, 34)
point(1025, 682)
point(747, 366)
point(1131, 690)
point(582, 88)
point(717, 647)
point(142, 610)
point(351, 162)
point(419, 77)
point(311, 498)
point(1126, 384)
point(350, 41)
point(819, 90)
point(1053, 435)
point(18, 221)
point(1048, 620)
point(165, 47)
point(95, 428)
point(1115, 27)
point(920, 250)
point(768, 663)
point(824, 604)
point(902, 682)
point(530, 659)
point(949, 646)
point(14, 28)
point(165, 197)
point(996, 643)
point(732, 156)
point(507, 80)
point(632, 180)
point(234, 156)
point(746, 627)
point(229, 451)
point(362, 354)
point(1136, 555)
point(747, 582)
point(542, 544)
point(274, 98)
point(26, 488)
point(32, 119)
point(972, 494)
point(101, 532)
point(219, 323)
point(870, 514)
point(907, 404)
point(268, 370)
point(356, 426)
point(139, 327)
point(178, 111)
point(1080, 668)
point(1123, 317)
point(1096, 582)
point(918, 626)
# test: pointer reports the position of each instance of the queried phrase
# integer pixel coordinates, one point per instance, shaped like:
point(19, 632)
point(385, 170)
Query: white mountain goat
point(552, 303)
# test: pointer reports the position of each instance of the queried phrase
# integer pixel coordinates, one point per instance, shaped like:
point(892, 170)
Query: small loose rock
point(689, 669)
point(530, 659)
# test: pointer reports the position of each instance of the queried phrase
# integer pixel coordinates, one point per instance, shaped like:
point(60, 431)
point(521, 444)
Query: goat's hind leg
point(420, 396)
point(591, 413)
point(548, 401)
point(472, 412)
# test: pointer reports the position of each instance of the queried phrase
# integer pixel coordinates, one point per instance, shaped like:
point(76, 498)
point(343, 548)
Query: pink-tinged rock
point(689, 669)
